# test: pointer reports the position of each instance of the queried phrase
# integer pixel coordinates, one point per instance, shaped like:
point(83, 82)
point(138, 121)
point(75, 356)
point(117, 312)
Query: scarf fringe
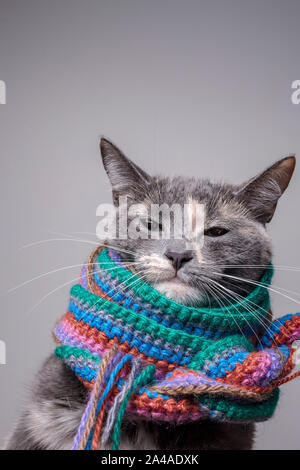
point(87, 437)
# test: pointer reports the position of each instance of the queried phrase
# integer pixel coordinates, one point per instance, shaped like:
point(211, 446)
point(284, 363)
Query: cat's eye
point(152, 225)
point(215, 231)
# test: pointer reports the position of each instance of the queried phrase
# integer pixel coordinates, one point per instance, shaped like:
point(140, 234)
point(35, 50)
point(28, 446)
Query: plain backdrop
point(183, 87)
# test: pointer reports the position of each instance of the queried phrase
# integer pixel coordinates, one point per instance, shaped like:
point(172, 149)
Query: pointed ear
point(261, 194)
point(126, 177)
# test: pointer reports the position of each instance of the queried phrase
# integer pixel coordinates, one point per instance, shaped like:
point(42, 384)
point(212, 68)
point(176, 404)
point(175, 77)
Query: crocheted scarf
point(145, 356)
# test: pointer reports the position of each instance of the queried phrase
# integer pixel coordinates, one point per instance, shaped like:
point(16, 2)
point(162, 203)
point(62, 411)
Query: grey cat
point(236, 244)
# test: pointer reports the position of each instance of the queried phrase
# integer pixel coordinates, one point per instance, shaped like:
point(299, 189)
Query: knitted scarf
point(144, 355)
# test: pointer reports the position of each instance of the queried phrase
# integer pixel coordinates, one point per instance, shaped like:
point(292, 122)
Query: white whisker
point(261, 284)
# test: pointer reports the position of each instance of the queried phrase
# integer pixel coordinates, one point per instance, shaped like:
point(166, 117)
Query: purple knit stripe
point(67, 338)
point(83, 277)
point(190, 379)
point(115, 257)
point(269, 367)
point(83, 273)
point(295, 336)
point(177, 417)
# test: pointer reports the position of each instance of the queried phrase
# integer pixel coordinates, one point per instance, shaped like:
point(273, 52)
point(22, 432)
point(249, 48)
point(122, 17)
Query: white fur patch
point(161, 273)
point(196, 218)
point(157, 267)
point(179, 291)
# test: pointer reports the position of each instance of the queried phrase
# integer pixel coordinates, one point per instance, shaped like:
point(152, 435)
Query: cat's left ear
point(261, 194)
point(126, 177)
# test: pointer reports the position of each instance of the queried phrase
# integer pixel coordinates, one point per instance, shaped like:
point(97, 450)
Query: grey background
point(183, 87)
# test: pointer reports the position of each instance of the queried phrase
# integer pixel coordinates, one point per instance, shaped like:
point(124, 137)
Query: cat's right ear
point(261, 194)
point(126, 178)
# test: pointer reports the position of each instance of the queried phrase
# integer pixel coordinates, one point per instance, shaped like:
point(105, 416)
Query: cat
point(236, 244)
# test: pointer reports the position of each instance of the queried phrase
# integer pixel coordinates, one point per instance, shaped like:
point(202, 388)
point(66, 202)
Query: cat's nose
point(178, 259)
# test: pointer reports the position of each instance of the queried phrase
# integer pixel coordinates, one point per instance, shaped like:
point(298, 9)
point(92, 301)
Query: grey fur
point(54, 408)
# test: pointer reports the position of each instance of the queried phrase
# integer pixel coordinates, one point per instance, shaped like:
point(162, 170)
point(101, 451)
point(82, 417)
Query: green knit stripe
point(142, 323)
point(147, 325)
point(214, 318)
point(64, 352)
point(217, 347)
point(234, 410)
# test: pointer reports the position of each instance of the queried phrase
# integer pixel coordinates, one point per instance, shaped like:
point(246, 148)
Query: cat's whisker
point(85, 233)
point(228, 295)
point(232, 295)
point(244, 299)
point(223, 305)
point(118, 248)
point(54, 271)
point(61, 234)
point(52, 292)
point(240, 279)
point(233, 256)
point(79, 240)
point(40, 242)
point(254, 266)
point(241, 298)
point(261, 320)
point(120, 289)
point(72, 234)
point(60, 287)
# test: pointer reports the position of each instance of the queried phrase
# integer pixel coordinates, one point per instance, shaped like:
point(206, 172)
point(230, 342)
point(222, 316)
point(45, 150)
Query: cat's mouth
point(176, 280)
point(180, 290)
point(175, 277)
point(175, 284)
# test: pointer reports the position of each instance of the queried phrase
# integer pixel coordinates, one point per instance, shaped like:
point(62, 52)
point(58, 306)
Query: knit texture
point(206, 363)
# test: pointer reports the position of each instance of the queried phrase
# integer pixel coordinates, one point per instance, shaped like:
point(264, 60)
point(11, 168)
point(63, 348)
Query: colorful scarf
point(146, 356)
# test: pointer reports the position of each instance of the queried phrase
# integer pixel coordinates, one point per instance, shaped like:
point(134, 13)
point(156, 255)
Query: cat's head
point(235, 248)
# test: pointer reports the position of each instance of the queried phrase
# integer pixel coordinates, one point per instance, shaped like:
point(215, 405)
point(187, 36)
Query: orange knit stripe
point(286, 332)
point(100, 338)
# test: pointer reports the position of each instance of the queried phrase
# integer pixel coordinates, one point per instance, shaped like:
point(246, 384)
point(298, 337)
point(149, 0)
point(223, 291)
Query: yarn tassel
point(289, 378)
point(111, 416)
point(101, 413)
point(93, 442)
point(99, 418)
point(98, 425)
point(88, 416)
point(144, 378)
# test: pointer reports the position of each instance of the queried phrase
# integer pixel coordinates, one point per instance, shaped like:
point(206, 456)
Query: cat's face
point(234, 248)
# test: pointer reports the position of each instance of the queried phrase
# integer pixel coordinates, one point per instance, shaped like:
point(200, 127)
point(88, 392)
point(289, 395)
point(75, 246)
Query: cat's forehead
point(217, 198)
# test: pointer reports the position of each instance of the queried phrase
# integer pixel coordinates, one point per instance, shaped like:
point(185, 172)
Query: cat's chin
point(181, 292)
